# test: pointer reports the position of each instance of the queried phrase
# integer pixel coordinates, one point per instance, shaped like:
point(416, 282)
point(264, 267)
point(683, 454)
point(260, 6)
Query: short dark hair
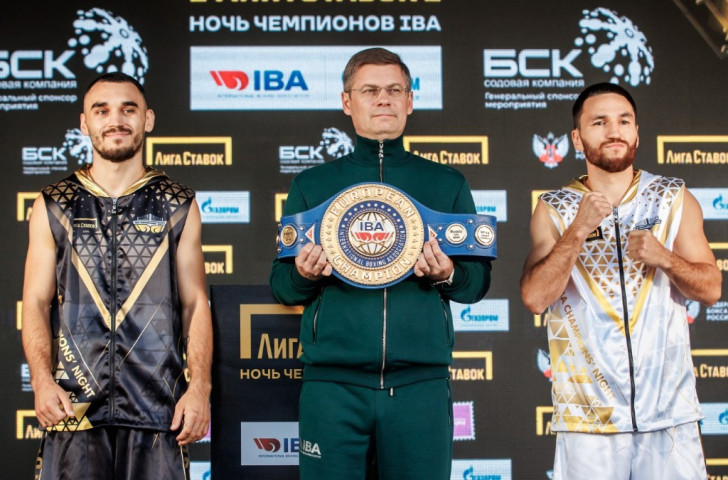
point(599, 89)
point(117, 77)
point(374, 56)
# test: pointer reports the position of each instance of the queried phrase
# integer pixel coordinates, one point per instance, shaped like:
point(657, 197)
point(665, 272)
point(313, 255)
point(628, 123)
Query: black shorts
point(111, 452)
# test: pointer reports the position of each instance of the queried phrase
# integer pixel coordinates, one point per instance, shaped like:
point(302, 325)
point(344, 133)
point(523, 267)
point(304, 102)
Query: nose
point(383, 97)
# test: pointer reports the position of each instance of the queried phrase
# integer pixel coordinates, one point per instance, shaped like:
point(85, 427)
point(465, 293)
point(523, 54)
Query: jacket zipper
point(315, 315)
point(384, 292)
point(112, 344)
point(625, 316)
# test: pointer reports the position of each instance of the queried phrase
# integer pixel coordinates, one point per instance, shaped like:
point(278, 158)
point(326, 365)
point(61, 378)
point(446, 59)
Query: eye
point(394, 91)
point(370, 92)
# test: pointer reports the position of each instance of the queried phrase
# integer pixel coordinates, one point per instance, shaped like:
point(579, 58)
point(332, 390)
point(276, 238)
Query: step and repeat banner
point(247, 94)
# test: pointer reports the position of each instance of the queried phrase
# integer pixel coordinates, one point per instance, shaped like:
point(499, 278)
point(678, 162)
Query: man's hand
point(192, 413)
point(433, 263)
point(642, 246)
point(52, 404)
point(311, 263)
point(593, 208)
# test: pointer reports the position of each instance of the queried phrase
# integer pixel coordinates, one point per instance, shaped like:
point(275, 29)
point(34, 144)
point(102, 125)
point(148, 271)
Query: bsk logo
point(550, 150)
point(266, 80)
point(79, 146)
point(334, 143)
point(501, 63)
point(47, 160)
point(622, 38)
point(15, 64)
point(615, 46)
point(115, 45)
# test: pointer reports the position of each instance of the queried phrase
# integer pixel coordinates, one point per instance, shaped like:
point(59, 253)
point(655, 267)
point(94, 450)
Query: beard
point(598, 158)
point(117, 154)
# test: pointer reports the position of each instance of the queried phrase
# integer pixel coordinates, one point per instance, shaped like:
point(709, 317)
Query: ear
point(410, 103)
point(346, 103)
point(149, 122)
point(84, 127)
point(638, 136)
point(576, 140)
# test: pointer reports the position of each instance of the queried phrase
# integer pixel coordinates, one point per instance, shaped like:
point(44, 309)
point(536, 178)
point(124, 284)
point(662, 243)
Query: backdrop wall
point(247, 93)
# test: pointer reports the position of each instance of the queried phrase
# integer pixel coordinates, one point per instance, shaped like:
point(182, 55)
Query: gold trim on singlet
point(84, 176)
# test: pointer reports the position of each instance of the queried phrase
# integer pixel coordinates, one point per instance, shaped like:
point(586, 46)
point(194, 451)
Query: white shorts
point(675, 453)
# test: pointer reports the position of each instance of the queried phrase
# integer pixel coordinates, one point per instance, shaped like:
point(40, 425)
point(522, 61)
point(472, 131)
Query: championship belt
point(373, 233)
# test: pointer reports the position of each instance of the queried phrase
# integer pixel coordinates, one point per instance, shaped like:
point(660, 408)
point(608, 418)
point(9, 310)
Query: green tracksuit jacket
point(379, 338)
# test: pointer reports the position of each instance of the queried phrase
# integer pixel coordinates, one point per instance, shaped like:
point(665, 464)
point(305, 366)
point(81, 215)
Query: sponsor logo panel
point(224, 207)
point(692, 149)
point(713, 202)
point(543, 420)
point(710, 364)
point(492, 202)
point(48, 160)
point(489, 315)
point(218, 259)
point(26, 425)
point(463, 421)
point(716, 419)
point(269, 443)
point(480, 469)
point(454, 150)
point(25, 378)
point(334, 143)
point(200, 471)
point(165, 152)
point(102, 42)
point(295, 78)
point(551, 149)
point(608, 45)
point(25, 205)
point(472, 366)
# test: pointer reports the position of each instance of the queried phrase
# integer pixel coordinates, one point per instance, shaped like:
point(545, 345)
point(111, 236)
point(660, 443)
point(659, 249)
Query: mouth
point(117, 132)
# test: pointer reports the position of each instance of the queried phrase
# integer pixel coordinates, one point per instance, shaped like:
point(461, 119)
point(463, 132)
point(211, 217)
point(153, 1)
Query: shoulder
point(172, 191)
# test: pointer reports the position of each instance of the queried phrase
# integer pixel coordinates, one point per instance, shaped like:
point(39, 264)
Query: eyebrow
point(128, 103)
point(391, 85)
point(621, 115)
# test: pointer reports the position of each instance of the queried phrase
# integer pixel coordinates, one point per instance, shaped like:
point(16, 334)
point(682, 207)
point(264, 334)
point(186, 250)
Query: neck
point(116, 177)
point(613, 185)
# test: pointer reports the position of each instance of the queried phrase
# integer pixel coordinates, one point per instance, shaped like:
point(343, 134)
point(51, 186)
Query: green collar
point(366, 152)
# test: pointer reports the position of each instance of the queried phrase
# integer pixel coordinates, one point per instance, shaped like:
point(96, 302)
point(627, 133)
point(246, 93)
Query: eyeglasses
point(372, 93)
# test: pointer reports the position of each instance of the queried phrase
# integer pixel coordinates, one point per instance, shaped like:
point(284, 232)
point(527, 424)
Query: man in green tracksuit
point(376, 381)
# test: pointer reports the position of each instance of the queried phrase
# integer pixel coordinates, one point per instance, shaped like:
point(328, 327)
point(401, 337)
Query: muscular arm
point(548, 265)
point(691, 264)
point(38, 289)
point(193, 409)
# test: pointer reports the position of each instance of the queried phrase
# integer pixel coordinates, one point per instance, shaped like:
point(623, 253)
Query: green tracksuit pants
point(408, 429)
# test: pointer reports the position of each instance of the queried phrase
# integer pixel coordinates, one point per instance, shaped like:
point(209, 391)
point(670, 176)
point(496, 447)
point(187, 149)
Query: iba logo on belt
point(372, 233)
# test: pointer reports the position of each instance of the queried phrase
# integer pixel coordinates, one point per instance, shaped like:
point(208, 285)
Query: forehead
point(607, 104)
point(113, 93)
point(378, 75)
